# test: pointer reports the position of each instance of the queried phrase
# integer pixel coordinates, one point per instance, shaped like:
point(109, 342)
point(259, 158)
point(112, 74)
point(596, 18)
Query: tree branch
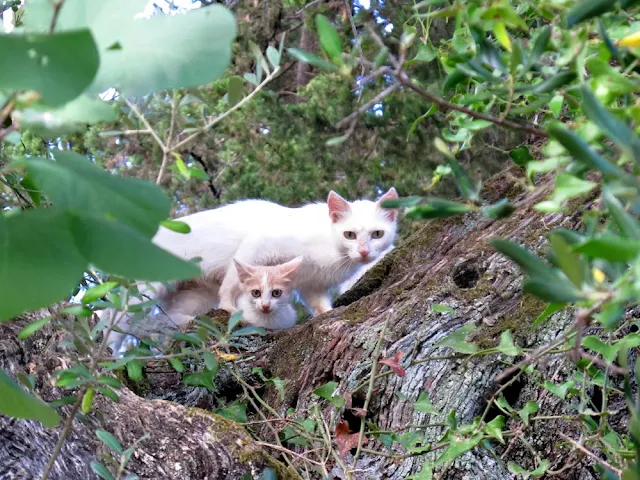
point(377, 99)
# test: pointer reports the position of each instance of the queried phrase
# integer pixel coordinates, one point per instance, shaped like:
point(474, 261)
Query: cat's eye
point(255, 293)
point(350, 235)
point(377, 234)
point(277, 293)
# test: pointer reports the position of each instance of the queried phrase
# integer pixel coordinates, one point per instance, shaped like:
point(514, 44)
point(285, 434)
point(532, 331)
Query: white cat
point(265, 294)
point(352, 280)
point(333, 239)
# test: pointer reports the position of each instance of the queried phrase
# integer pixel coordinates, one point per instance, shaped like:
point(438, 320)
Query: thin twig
point(589, 453)
point(375, 100)
point(286, 450)
point(146, 123)
point(57, 5)
point(169, 139)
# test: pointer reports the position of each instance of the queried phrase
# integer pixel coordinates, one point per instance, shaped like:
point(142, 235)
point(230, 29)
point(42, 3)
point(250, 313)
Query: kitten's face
point(267, 288)
point(363, 229)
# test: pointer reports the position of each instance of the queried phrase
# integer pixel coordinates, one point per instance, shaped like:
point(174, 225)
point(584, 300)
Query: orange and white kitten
point(265, 293)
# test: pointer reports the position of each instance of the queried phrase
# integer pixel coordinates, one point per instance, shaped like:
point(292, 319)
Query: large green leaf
point(329, 39)
point(15, 402)
point(627, 224)
point(73, 116)
point(38, 262)
point(116, 248)
point(73, 182)
point(60, 66)
point(140, 56)
point(611, 248)
point(457, 340)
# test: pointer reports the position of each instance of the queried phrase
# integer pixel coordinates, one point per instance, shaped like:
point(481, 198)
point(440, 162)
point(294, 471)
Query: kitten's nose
point(265, 308)
point(364, 253)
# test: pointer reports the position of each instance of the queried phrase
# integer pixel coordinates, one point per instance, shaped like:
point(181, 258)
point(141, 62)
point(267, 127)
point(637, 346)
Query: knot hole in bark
point(466, 274)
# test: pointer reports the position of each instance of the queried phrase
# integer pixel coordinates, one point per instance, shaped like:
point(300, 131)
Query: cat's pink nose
point(265, 308)
point(364, 253)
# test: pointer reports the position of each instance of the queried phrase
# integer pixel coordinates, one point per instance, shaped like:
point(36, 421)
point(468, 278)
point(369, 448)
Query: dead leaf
point(345, 440)
point(394, 363)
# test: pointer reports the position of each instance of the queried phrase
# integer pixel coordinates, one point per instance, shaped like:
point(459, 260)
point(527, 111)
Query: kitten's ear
point(390, 213)
point(245, 272)
point(288, 270)
point(338, 206)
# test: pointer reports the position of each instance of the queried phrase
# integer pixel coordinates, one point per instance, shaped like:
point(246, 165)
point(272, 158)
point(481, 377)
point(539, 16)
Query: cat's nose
point(364, 253)
point(265, 308)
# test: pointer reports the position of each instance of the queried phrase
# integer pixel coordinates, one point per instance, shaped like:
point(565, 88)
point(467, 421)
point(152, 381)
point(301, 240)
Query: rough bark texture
point(184, 443)
point(448, 262)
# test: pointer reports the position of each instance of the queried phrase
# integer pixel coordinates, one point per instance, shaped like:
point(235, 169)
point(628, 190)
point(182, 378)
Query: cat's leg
point(230, 289)
point(318, 301)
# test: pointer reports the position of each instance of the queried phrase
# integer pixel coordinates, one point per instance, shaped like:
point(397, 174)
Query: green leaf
point(437, 208)
point(426, 53)
point(176, 226)
point(210, 361)
point(274, 56)
point(59, 66)
point(543, 466)
point(458, 447)
point(550, 84)
point(329, 39)
point(530, 408)
point(15, 402)
point(627, 224)
point(608, 352)
point(548, 311)
point(336, 140)
point(527, 261)
point(326, 392)
point(465, 186)
point(246, 331)
point(569, 186)
point(611, 248)
point(521, 155)
point(74, 182)
point(234, 320)
point(505, 12)
point(615, 129)
point(202, 379)
point(32, 246)
point(97, 292)
point(176, 364)
point(236, 411)
point(423, 404)
point(33, 327)
point(587, 9)
point(235, 90)
point(539, 47)
point(134, 370)
point(569, 262)
point(31, 188)
point(442, 308)
point(457, 342)
point(199, 50)
point(555, 105)
point(100, 242)
point(110, 394)
point(101, 470)
point(494, 428)
point(109, 440)
point(87, 400)
point(507, 346)
point(581, 151)
point(74, 116)
point(312, 58)
point(559, 390)
point(554, 288)
point(499, 210)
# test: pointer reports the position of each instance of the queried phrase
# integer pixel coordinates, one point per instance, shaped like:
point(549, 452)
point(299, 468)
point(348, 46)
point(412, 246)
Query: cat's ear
point(245, 272)
point(288, 270)
point(338, 206)
point(390, 213)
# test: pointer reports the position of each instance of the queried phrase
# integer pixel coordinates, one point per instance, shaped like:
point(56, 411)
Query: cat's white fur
point(352, 280)
point(317, 233)
point(267, 310)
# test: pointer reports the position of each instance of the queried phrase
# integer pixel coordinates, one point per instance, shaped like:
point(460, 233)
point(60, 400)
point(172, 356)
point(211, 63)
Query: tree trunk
point(447, 262)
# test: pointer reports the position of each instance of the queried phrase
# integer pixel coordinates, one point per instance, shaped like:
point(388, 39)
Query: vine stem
point(372, 381)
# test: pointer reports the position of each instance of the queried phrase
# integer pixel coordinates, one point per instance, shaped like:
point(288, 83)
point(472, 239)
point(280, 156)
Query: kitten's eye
point(350, 235)
point(377, 234)
point(255, 293)
point(277, 293)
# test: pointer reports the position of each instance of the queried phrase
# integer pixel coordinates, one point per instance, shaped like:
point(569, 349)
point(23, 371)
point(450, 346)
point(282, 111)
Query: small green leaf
point(569, 262)
point(611, 248)
point(442, 308)
point(521, 155)
point(423, 404)
point(15, 402)
point(329, 39)
point(246, 331)
point(326, 392)
point(176, 364)
point(236, 411)
point(110, 394)
point(336, 141)
point(555, 105)
point(530, 408)
point(494, 428)
point(587, 9)
point(134, 370)
point(626, 223)
point(109, 440)
point(426, 53)
point(176, 226)
point(507, 346)
point(559, 390)
point(235, 89)
point(274, 56)
point(97, 292)
point(539, 47)
point(101, 470)
point(527, 261)
point(457, 342)
point(87, 400)
point(312, 59)
point(550, 84)
point(543, 466)
point(499, 210)
point(438, 208)
point(548, 311)
point(458, 447)
point(608, 352)
point(210, 361)
point(33, 327)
